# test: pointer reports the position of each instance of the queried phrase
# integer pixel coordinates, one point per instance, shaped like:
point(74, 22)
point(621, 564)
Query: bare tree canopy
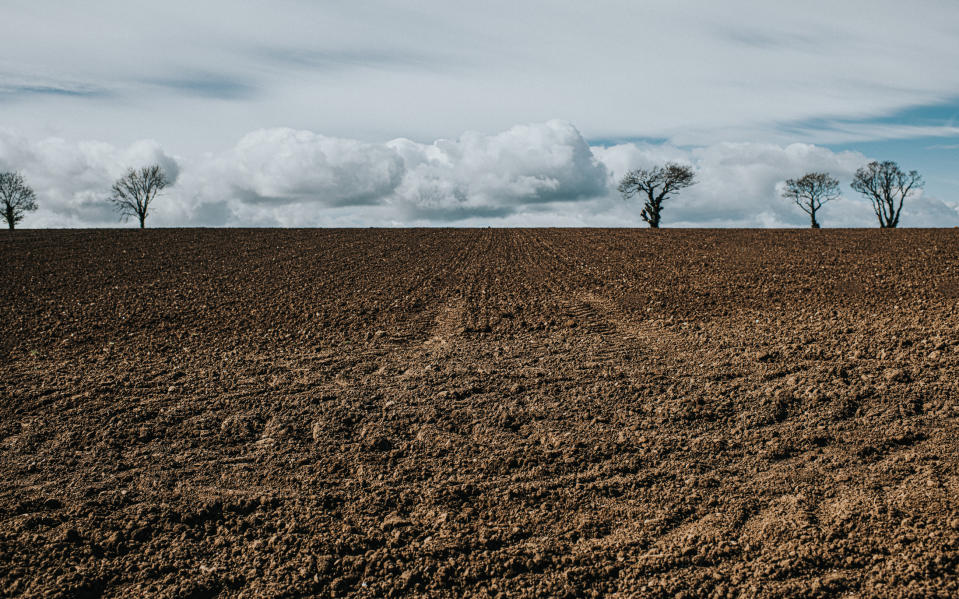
point(658, 183)
point(810, 192)
point(886, 186)
point(134, 192)
point(16, 198)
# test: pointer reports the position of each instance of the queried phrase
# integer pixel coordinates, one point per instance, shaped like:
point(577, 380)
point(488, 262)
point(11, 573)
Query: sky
point(433, 113)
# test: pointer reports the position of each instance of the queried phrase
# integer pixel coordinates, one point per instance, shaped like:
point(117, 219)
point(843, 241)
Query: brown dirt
point(490, 413)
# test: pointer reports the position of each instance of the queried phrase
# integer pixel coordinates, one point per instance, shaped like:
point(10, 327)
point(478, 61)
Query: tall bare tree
point(658, 184)
point(134, 192)
point(16, 198)
point(810, 192)
point(886, 186)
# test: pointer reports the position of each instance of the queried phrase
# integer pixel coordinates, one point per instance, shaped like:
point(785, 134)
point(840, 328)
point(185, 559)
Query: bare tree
point(16, 198)
point(134, 192)
point(886, 186)
point(811, 191)
point(658, 183)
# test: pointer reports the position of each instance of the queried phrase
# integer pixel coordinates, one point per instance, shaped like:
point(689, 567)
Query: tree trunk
point(812, 215)
point(141, 222)
point(889, 217)
point(655, 209)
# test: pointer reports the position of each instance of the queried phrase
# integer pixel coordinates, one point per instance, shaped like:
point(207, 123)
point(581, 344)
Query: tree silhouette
point(886, 186)
point(658, 183)
point(134, 192)
point(810, 192)
point(16, 198)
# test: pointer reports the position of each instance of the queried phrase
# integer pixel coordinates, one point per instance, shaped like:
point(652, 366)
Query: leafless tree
point(134, 192)
point(658, 183)
point(16, 198)
point(886, 186)
point(811, 191)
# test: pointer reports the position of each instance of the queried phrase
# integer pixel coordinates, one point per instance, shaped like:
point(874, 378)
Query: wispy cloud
point(327, 60)
point(13, 87)
point(698, 73)
point(840, 132)
point(209, 85)
point(777, 39)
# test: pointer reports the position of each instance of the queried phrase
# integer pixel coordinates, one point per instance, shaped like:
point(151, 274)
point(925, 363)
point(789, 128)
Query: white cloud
point(497, 175)
point(287, 166)
point(537, 174)
point(739, 183)
point(286, 177)
point(72, 180)
point(739, 186)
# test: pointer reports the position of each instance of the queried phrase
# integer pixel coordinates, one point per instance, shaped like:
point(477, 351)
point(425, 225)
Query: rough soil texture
point(488, 413)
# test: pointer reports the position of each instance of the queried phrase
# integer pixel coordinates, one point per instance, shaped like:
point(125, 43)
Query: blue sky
point(937, 158)
point(429, 112)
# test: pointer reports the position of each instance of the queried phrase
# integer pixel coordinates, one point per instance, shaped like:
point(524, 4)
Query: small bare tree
point(886, 186)
point(16, 198)
point(810, 192)
point(658, 183)
point(134, 192)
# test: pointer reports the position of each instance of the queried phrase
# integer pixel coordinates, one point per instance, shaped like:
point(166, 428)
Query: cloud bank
point(535, 174)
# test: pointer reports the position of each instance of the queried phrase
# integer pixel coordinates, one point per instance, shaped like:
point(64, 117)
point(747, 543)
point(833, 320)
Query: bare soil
point(488, 413)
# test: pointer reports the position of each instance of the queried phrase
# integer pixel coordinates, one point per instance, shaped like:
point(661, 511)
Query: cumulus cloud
point(72, 180)
point(287, 166)
point(498, 175)
point(536, 174)
point(286, 177)
point(740, 185)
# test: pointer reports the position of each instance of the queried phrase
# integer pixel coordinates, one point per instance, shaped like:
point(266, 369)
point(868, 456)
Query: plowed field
point(489, 413)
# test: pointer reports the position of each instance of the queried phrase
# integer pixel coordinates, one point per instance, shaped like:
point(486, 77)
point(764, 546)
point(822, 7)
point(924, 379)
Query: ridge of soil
point(479, 412)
